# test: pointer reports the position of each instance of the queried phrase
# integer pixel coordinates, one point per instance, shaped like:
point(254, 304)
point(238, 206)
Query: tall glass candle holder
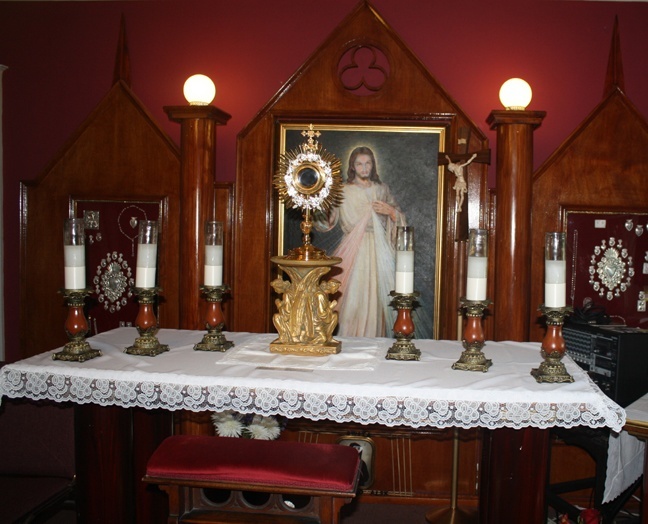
point(403, 298)
point(477, 273)
point(213, 275)
point(146, 323)
point(552, 369)
point(474, 304)
point(555, 270)
point(74, 253)
point(146, 254)
point(404, 260)
point(213, 290)
point(76, 325)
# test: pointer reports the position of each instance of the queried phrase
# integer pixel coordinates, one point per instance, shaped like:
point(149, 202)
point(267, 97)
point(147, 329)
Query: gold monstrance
point(308, 178)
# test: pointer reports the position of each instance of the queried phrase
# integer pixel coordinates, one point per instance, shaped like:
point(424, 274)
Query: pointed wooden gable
point(118, 167)
point(362, 74)
point(601, 172)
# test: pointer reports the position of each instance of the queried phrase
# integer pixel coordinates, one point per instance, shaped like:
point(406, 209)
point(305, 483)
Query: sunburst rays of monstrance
point(307, 178)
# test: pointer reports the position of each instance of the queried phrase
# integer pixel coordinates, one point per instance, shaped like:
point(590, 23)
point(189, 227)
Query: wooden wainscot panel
point(412, 466)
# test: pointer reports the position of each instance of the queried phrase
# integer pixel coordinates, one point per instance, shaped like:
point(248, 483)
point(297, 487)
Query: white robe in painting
point(368, 260)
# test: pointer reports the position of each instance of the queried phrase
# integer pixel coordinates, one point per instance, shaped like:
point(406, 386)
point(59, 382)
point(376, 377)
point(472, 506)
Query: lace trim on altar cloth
point(385, 410)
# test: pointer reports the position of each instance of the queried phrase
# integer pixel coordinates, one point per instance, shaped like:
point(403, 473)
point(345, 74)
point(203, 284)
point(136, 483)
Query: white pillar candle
point(555, 270)
point(213, 265)
point(146, 265)
point(477, 278)
point(146, 254)
point(213, 253)
point(404, 271)
point(75, 271)
point(477, 270)
point(74, 253)
point(555, 283)
point(404, 279)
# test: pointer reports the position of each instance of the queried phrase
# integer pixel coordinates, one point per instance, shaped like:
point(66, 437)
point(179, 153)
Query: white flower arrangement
point(233, 424)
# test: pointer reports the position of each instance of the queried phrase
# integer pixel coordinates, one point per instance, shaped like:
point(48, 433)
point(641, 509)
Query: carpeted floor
point(384, 514)
point(367, 514)
point(376, 514)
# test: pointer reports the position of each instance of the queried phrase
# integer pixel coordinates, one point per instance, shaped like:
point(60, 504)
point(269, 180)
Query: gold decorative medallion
point(611, 268)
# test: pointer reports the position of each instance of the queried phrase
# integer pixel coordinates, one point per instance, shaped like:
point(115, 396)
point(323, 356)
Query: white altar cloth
point(356, 385)
point(625, 462)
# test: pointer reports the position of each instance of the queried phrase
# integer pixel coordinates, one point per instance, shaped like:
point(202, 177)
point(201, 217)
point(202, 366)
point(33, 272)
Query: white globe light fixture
point(199, 90)
point(515, 94)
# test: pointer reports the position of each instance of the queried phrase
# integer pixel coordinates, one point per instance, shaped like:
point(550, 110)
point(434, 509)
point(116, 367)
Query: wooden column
point(514, 460)
point(105, 484)
point(198, 176)
point(113, 445)
point(513, 221)
point(514, 476)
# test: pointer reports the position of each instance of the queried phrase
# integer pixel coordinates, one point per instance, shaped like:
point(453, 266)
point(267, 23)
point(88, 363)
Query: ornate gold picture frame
point(406, 162)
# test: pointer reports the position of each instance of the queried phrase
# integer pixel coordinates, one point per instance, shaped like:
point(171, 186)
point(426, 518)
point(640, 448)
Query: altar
point(357, 385)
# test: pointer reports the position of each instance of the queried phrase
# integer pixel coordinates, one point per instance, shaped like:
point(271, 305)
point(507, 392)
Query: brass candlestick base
point(473, 359)
point(403, 348)
point(76, 327)
point(146, 344)
point(552, 370)
point(214, 340)
point(306, 318)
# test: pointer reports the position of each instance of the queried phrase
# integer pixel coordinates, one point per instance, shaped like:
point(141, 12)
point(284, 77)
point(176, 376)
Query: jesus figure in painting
point(368, 217)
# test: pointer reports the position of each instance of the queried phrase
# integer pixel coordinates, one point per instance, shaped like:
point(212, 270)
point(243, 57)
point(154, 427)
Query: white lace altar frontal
point(356, 385)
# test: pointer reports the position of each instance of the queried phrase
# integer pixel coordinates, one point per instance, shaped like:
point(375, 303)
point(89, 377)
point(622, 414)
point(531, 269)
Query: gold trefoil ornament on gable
point(308, 178)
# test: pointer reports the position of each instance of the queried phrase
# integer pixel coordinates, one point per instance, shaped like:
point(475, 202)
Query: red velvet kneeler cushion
point(294, 464)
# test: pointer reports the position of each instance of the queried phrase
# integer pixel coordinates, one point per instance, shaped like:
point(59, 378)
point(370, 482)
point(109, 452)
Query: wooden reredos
point(602, 168)
point(120, 166)
point(316, 93)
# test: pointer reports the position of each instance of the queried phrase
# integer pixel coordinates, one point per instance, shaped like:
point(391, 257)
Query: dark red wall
point(61, 55)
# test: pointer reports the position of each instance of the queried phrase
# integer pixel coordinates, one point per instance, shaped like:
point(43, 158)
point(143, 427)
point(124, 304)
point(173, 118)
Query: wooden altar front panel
point(412, 466)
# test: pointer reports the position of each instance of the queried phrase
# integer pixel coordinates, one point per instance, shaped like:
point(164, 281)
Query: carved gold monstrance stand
point(306, 318)
point(308, 178)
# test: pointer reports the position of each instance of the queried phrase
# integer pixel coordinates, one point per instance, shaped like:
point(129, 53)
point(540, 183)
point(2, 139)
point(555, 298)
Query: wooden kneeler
point(220, 479)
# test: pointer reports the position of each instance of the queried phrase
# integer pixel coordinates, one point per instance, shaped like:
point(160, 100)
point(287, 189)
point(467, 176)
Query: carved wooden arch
point(602, 166)
point(119, 155)
point(397, 90)
point(119, 159)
